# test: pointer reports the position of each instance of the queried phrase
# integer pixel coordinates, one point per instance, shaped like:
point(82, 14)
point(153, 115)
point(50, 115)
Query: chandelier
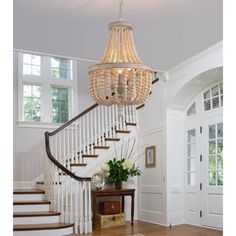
point(120, 78)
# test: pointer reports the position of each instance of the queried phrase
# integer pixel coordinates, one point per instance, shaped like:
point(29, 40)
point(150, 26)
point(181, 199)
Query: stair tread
point(35, 213)
point(28, 191)
point(112, 139)
point(41, 226)
point(77, 164)
point(31, 202)
point(131, 124)
point(123, 131)
point(101, 147)
point(89, 155)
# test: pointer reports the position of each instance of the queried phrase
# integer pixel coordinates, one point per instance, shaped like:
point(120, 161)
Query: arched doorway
point(204, 157)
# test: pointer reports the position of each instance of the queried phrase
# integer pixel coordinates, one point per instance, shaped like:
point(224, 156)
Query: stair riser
point(36, 220)
point(30, 208)
point(52, 232)
point(28, 197)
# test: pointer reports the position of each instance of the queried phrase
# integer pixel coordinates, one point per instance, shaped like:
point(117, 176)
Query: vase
point(118, 185)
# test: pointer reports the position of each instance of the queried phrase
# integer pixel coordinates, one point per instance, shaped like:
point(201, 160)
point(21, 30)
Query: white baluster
point(99, 124)
point(95, 120)
point(66, 200)
point(58, 189)
point(85, 208)
point(76, 207)
point(80, 140)
point(81, 208)
point(76, 142)
point(71, 200)
point(89, 208)
point(102, 126)
point(62, 198)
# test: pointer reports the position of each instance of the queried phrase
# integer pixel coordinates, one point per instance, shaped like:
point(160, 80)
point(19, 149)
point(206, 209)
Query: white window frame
point(46, 82)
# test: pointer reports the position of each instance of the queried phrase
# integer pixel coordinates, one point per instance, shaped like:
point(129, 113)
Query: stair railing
point(66, 147)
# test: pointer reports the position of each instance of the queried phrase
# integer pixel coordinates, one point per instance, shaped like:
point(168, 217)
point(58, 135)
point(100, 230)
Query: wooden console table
point(114, 192)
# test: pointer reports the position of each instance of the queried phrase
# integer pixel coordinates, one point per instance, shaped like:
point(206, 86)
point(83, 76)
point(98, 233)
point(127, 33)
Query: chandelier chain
point(120, 10)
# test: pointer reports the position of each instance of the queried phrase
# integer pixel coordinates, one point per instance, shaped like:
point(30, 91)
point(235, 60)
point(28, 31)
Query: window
point(213, 98)
point(191, 110)
point(60, 105)
point(31, 64)
point(215, 154)
point(32, 102)
point(191, 155)
point(41, 79)
point(60, 68)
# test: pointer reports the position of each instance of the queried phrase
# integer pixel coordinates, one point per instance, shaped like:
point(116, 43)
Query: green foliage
point(119, 173)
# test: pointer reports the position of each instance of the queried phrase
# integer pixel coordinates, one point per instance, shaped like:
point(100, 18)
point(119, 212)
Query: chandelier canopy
point(120, 78)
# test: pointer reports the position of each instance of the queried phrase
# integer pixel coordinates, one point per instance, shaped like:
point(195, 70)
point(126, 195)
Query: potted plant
point(117, 171)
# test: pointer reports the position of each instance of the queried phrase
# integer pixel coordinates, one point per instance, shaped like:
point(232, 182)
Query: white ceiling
point(166, 32)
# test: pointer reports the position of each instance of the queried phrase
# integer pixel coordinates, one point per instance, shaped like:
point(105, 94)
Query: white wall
point(28, 143)
point(162, 189)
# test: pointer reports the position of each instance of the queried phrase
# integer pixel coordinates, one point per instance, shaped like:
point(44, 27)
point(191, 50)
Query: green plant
point(120, 170)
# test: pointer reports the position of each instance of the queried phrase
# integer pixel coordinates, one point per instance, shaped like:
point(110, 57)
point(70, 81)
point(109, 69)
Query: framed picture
point(150, 156)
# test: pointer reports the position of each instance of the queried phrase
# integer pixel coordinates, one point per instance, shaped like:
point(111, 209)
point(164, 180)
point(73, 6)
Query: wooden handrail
point(48, 151)
point(73, 119)
point(58, 164)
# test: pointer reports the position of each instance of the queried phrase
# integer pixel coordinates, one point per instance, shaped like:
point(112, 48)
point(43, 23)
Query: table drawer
point(109, 207)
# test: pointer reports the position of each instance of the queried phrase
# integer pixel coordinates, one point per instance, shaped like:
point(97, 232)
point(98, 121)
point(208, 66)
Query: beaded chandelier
point(120, 78)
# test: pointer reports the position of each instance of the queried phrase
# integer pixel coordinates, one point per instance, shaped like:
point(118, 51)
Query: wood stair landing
point(41, 226)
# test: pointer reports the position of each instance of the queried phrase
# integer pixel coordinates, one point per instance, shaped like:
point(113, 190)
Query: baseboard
point(24, 185)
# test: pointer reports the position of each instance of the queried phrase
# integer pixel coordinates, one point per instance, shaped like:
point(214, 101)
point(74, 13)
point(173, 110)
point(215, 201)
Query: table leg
point(123, 204)
point(132, 209)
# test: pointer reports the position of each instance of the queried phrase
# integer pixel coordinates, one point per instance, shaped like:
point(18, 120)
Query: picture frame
point(150, 156)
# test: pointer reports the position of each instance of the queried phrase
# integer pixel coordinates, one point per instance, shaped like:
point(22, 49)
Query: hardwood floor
point(148, 229)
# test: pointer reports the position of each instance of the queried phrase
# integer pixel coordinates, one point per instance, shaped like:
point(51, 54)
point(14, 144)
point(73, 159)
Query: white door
point(212, 173)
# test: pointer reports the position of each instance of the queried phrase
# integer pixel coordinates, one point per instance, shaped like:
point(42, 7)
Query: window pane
point(215, 102)
point(55, 62)
point(221, 88)
point(215, 91)
point(191, 136)
point(27, 58)
point(60, 105)
point(212, 178)
point(191, 150)
point(27, 90)
point(212, 147)
point(212, 163)
point(55, 72)
point(207, 94)
point(192, 110)
point(26, 69)
point(221, 101)
point(35, 70)
point(212, 131)
point(219, 162)
point(32, 102)
point(191, 165)
point(35, 60)
point(63, 73)
point(219, 146)
point(191, 178)
point(220, 130)
point(36, 91)
point(207, 105)
point(220, 178)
